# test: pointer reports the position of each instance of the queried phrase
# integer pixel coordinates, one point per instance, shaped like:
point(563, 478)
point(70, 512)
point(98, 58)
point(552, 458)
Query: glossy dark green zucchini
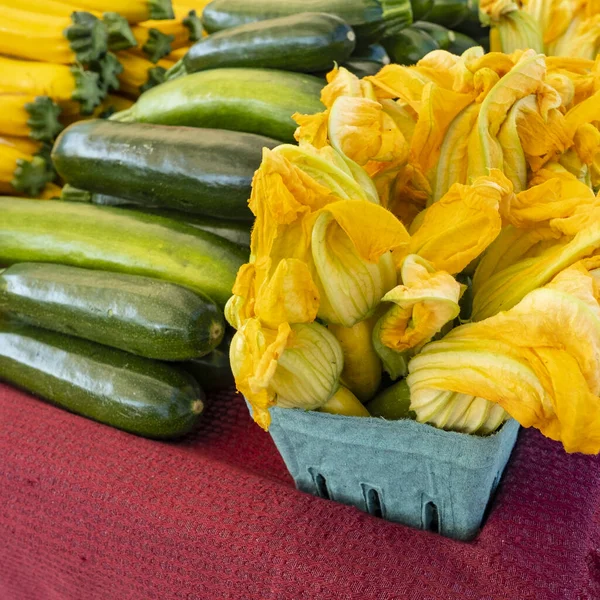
point(206, 172)
point(115, 239)
point(139, 395)
point(237, 232)
point(252, 100)
point(369, 18)
point(306, 42)
point(213, 371)
point(449, 13)
point(141, 315)
point(409, 46)
point(460, 42)
point(439, 33)
point(421, 8)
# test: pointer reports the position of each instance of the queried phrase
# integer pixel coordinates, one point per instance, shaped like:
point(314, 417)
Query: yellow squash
point(139, 74)
point(21, 172)
point(117, 28)
point(81, 37)
point(133, 10)
point(67, 86)
point(24, 115)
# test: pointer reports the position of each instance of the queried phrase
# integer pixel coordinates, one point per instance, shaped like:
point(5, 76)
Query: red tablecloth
point(91, 513)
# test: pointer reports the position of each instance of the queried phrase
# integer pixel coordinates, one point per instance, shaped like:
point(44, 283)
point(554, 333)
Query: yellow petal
point(289, 296)
point(425, 301)
point(462, 224)
point(254, 353)
point(360, 129)
point(439, 107)
point(312, 128)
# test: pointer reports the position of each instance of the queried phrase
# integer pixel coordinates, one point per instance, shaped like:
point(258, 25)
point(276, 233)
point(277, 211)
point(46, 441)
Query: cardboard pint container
point(401, 471)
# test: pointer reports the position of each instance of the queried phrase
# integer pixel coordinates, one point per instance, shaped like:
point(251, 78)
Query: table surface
point(91, 513)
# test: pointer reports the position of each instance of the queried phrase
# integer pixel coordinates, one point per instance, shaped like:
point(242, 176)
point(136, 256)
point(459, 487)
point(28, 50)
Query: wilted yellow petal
point(360, 129)
point(254, 353)
point(439, 107)
point(553, 16)
point(462, 224)
point(312, 128)
point(372, 229)
point(555, 198)
point(340, 82)
point(289, 296)
point(240, 307)
point(396, 81)
point(453, 162)
point(425, 301)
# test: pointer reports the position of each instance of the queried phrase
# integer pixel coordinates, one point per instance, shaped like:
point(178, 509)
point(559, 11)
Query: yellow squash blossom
point(351, 249)
point(526, 77)
point(290, 187)
point(511, 28)
point(295, 366)
point(544, 374)
point(424, 303)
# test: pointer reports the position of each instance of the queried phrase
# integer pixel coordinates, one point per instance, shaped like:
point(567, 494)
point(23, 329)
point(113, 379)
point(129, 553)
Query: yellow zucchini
point(133, 10)
point(139, 74)
point(22, 172)
point(26, 34)
point(24, 115)
point(152, 44)
point(185, 28)
point(23, 144)
point(67, 86)
point(117, 28)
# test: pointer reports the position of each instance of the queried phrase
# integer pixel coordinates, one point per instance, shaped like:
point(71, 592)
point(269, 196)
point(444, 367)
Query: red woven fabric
point(90, 513)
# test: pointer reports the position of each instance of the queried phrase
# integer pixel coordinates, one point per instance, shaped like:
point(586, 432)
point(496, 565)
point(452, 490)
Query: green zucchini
point(138, 395)
point(461, 42)
point(362, 68)
point(213, 371)
point(114, 239)
point(392, 403)
point(237, 232)
point(369, 18)
point(449, 13)
point(144, 316)
point(206, 172)
point(258, 101)
point(409, 46)
point(471, 25)
point(305, 42)
point(439, 33)
point(421, 8)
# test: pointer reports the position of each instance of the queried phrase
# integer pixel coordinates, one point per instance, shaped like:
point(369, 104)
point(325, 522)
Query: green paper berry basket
point(401, 471)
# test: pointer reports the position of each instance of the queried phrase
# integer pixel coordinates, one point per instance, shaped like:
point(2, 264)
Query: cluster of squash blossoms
point(438, 223)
